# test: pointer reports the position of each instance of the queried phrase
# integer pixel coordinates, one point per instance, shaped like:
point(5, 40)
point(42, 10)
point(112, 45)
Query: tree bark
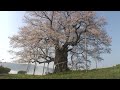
point(61, 59)
point(35, 68)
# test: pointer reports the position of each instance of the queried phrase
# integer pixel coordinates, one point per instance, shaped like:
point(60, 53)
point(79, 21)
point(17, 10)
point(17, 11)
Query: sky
point(113, 29)
point(10, 21)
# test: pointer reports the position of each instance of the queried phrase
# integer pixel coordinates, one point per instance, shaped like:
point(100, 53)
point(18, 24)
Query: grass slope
point(104, 73)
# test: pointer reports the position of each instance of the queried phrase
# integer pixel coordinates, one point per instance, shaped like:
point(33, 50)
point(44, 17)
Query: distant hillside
point(15, 67)
point(103, 73)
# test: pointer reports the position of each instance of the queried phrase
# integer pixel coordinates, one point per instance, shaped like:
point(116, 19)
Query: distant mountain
point(15, 67)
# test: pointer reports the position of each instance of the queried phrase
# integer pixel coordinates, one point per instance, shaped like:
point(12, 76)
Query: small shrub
point(4, 70)
point(118, 65)
point(22, 72)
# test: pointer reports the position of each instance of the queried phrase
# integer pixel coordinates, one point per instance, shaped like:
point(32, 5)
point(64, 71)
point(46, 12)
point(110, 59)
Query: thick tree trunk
point(61, 60)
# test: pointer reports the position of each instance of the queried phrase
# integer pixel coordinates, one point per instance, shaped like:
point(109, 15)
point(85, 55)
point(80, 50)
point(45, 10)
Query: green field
point(104, 73)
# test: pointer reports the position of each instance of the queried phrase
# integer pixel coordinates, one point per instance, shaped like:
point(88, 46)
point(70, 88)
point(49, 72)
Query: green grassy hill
point(104, 73)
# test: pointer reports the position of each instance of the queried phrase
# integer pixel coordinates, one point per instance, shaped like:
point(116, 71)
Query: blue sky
point(113, 29)
point(10, 21)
